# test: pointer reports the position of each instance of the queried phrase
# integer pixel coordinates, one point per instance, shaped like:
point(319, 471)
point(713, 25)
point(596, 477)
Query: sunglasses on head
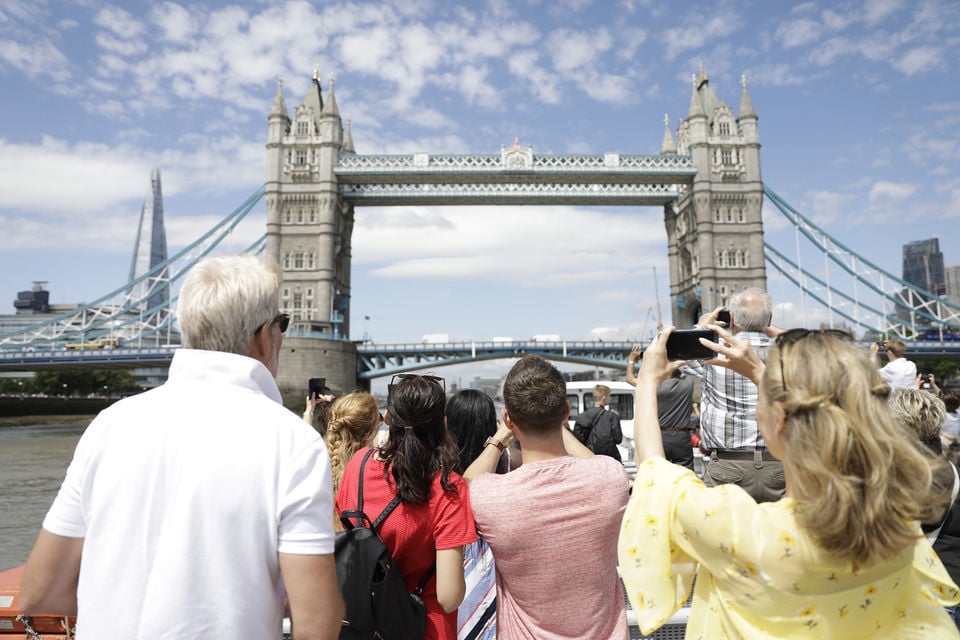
point(795, 335)
point(281, 319)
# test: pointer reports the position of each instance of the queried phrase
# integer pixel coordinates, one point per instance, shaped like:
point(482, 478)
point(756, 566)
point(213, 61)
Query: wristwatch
point(494, 442)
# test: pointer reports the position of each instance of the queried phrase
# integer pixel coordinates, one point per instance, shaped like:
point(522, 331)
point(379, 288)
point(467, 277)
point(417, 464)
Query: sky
point(859, 121)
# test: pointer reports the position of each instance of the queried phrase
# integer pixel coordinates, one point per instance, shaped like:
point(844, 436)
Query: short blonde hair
point(859, 479)
point(600, 392)
point(920, 411)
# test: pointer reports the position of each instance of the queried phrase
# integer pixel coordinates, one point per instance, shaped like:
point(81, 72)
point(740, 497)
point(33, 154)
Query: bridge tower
point(715, 228)
point(309, 229)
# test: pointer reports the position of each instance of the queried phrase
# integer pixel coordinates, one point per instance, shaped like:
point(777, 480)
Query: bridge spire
point(348, 139)
point(330, 108)
point(696, 104)
point(669, 147)
point(314, 100)
point(746, 105)
point(279, 106)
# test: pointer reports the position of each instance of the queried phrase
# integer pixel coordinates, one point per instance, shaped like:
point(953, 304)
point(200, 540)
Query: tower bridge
point(707, 179)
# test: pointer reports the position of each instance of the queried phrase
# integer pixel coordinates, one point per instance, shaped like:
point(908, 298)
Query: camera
point(684, 344)
point(724, 317)
point(316, 387)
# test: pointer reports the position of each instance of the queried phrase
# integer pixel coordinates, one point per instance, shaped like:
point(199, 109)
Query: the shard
point(150, 251)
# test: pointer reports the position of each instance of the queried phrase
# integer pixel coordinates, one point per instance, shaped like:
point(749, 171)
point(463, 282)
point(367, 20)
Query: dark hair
point(535, 395)
point(471, 418)
point(951, 399)
point(419, 445)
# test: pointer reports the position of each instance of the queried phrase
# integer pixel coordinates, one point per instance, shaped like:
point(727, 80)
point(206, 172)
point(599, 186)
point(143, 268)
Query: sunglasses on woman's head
point(408, 376)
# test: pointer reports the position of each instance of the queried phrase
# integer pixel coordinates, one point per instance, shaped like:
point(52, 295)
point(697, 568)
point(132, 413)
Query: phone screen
point(685, 344)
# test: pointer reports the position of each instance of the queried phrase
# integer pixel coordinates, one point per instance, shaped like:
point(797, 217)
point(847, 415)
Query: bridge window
point(303, 128)
point(297, 301)
point(286, 217)
point(310, 292)
point(725, 128)
point(726, 156)
point(729, 215)
point(298, 260)
point(300, 157)
point(720, 257)
point(718, 215)
point(313, 216)
point(286, 261)
point(745, 259)
point(311, 261)
point(740, 215)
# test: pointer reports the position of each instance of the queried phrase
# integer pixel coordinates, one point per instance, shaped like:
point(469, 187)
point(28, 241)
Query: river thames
point(33, 461)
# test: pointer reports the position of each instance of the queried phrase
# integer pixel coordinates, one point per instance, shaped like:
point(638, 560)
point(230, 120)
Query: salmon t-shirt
point(553, 528)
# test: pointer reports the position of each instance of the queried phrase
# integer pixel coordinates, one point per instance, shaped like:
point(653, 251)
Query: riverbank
point(46, 421)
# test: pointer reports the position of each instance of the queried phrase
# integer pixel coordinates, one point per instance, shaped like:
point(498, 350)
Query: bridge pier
point(305, 358)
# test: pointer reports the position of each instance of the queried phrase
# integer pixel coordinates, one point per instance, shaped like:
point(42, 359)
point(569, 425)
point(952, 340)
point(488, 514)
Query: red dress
point(414, 532)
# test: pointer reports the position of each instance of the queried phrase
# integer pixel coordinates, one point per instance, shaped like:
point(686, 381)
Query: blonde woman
point(840, 556)
point(352, 424)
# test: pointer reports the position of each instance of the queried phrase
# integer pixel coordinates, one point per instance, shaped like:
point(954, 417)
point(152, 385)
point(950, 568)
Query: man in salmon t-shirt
point(552, 523)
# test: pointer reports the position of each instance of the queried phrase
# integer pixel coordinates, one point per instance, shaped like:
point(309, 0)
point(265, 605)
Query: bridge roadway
point(377, 360)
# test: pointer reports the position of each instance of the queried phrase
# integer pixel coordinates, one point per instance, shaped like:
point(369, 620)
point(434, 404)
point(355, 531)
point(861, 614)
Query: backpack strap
point(358, 512)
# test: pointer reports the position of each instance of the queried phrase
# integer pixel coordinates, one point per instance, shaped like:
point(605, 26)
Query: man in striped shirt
point(728, 422)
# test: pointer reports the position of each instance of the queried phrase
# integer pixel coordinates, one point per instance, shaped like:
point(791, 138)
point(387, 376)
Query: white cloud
point(40, 58)
point(698, 30)
point(883, 190)
point(798, 32)
point(918, 60)
point(829, 52)
point(119, 21)
point(875, 11)
point(175, 22)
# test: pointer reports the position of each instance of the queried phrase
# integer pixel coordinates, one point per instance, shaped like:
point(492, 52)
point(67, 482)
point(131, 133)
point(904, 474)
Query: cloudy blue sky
point(859, 115)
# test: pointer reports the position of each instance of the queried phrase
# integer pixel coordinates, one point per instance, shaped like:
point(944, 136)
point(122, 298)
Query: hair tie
point(408, 428)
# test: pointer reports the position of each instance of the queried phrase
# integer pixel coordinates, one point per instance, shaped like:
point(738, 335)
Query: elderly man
point(728, 422)
point(189, 510)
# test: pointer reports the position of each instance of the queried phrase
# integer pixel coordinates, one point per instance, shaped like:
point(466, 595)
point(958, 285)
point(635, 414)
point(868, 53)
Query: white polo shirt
point(184, 496)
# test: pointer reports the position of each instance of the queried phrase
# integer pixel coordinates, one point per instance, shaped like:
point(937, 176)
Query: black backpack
point(378, 604)
point(602, 434)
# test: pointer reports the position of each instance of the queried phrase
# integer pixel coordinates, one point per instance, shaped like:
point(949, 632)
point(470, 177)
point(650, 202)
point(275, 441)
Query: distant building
point(149, 251)
point(951, 277)
point(923, 268)
point(923, 265)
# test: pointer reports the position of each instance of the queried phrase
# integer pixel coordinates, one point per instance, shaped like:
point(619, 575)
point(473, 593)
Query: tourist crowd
point(203, 508)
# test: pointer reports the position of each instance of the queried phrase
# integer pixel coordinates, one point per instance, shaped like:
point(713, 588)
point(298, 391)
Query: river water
point(33, 461)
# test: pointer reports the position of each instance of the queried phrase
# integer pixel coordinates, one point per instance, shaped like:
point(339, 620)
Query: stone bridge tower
point(715, 228)
point(309, 229)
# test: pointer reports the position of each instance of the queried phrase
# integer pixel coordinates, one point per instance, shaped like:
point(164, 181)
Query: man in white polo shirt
point(193, 509)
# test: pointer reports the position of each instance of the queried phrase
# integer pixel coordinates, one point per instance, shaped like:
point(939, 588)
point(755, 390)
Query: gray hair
point(224, 299)
point(751, 309)
point(919, 411)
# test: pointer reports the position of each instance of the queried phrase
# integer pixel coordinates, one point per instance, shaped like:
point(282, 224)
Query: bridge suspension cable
point(904, 309)
point(123, 315)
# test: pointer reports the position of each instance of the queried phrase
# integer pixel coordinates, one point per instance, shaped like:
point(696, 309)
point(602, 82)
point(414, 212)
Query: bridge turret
point(668, 147)
point(746, 116)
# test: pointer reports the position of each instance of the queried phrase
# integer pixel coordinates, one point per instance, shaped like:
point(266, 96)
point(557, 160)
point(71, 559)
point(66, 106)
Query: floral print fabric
point(760, 575)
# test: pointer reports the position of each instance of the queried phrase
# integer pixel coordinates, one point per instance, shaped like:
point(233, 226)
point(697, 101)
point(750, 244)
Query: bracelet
point(494, 442)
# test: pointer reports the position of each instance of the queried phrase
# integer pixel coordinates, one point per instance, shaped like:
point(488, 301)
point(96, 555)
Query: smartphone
point(315, 387)
point(684, 344)
point(724, 317)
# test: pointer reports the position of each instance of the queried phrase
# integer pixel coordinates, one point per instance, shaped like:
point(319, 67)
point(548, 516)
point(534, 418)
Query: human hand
point(504, 435)
point(635, 354)
point(655, 366)
point(709, 318)
point(738, 355)
point(874, 348)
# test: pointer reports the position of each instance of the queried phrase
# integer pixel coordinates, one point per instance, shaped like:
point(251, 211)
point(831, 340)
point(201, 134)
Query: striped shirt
point(728, 419)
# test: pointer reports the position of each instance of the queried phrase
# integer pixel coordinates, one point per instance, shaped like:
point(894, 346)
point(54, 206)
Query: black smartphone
point(724, 317)
point(315, 387)
point(684, 344)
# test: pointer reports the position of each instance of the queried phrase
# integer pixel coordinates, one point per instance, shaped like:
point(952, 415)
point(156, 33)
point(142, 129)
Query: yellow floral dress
point(760, 575)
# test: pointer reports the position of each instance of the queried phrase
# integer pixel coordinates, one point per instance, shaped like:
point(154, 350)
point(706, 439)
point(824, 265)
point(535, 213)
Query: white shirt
point(899, 373)
point(184, 496)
